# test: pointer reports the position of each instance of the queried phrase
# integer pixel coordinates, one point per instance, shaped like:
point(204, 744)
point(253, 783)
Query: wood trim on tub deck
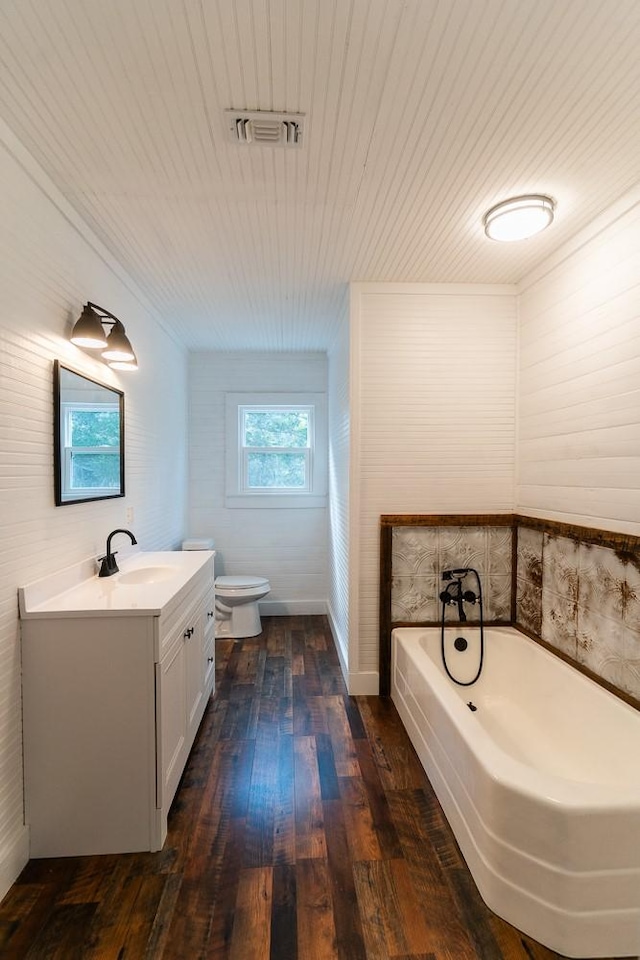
point(384, 656)
point(626, 547)
point(446, 519)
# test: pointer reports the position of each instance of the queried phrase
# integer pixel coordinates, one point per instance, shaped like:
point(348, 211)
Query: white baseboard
point(336, 639)
point(13, 860)
point(364, 684)
point(290, 608)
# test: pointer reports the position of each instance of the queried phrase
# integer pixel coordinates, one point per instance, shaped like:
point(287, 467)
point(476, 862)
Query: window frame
point(245, 451)
point(238, 493)
point(67, 450)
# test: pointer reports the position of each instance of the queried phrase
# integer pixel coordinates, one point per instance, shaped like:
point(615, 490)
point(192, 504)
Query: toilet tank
point(197, 544)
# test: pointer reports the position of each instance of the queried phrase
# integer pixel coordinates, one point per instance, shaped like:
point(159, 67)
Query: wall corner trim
point(13, 860)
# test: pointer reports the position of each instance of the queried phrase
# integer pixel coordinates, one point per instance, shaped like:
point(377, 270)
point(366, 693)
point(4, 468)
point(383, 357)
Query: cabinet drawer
point(172, 628)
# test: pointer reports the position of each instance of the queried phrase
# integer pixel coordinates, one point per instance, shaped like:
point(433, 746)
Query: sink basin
point(147, 575)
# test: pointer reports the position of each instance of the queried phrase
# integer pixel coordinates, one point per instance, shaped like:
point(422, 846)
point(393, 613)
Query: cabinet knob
point(188, 633)
point(210, 613)
point(210, 659)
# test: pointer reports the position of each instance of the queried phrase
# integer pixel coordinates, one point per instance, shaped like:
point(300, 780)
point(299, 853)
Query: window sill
point(295, 501)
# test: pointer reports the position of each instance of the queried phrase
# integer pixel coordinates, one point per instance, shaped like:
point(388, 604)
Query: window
point(276, 450)
point(276, 446)
point(90, 449)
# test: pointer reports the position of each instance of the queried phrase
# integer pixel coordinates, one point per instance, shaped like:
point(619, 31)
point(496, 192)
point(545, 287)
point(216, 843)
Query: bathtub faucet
point(453, 594)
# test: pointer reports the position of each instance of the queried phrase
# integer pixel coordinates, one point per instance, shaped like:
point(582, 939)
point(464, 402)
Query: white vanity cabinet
point(112, 701)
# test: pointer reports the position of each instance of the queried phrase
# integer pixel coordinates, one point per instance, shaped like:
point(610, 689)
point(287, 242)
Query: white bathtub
point(541, 784)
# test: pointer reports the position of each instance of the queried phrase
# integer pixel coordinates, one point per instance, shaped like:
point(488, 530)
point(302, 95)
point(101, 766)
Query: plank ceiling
point(419, 115)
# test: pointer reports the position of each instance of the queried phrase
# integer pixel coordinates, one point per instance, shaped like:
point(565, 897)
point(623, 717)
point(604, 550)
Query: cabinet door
point(195, 678)
point(208, 644)
point(181, 693)
point(200, 660)
point(171, 719)
point(208, 658)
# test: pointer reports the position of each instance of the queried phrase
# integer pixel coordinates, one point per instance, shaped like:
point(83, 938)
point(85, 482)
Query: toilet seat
point(237, 584)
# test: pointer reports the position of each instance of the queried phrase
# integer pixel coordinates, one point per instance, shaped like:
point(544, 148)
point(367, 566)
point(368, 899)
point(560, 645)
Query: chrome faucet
point(108, 565)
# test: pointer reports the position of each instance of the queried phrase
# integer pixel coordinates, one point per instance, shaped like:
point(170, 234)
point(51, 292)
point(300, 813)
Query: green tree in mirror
point(95, 428)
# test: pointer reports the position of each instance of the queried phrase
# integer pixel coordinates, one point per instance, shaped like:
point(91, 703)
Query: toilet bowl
point(237, 612)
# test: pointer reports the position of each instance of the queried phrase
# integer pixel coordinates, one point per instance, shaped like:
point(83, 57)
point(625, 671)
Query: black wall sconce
point(89, 332)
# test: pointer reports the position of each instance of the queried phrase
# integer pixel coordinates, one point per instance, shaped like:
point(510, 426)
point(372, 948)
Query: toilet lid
point(238, 583)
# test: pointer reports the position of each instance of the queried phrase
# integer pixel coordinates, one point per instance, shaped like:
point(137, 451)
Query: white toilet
point(237, 612)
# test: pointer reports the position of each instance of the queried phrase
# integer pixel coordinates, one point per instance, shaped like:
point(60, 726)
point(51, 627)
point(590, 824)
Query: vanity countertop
point(77, 591)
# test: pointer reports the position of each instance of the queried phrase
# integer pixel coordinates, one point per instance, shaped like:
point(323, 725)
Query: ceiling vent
point(264, 128)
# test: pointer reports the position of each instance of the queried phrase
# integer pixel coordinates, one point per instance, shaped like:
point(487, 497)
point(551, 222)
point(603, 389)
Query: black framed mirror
point(88, 438)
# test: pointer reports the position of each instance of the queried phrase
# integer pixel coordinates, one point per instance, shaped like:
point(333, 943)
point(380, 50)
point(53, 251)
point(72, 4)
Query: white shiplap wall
point(289, 547)
point(49, 266)
point(433, 422)
point(338, 547)
point(579, 394)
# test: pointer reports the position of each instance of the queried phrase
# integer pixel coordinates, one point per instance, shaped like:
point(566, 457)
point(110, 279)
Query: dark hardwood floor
point(304, 829)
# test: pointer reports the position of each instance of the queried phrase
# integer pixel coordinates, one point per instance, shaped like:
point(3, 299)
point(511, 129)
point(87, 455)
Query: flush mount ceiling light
point(519, 217)
point(89, 332)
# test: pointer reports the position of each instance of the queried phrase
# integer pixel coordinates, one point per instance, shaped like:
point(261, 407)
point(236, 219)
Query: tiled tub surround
point(583, 599)
point(420, 554)
point(574, 588)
